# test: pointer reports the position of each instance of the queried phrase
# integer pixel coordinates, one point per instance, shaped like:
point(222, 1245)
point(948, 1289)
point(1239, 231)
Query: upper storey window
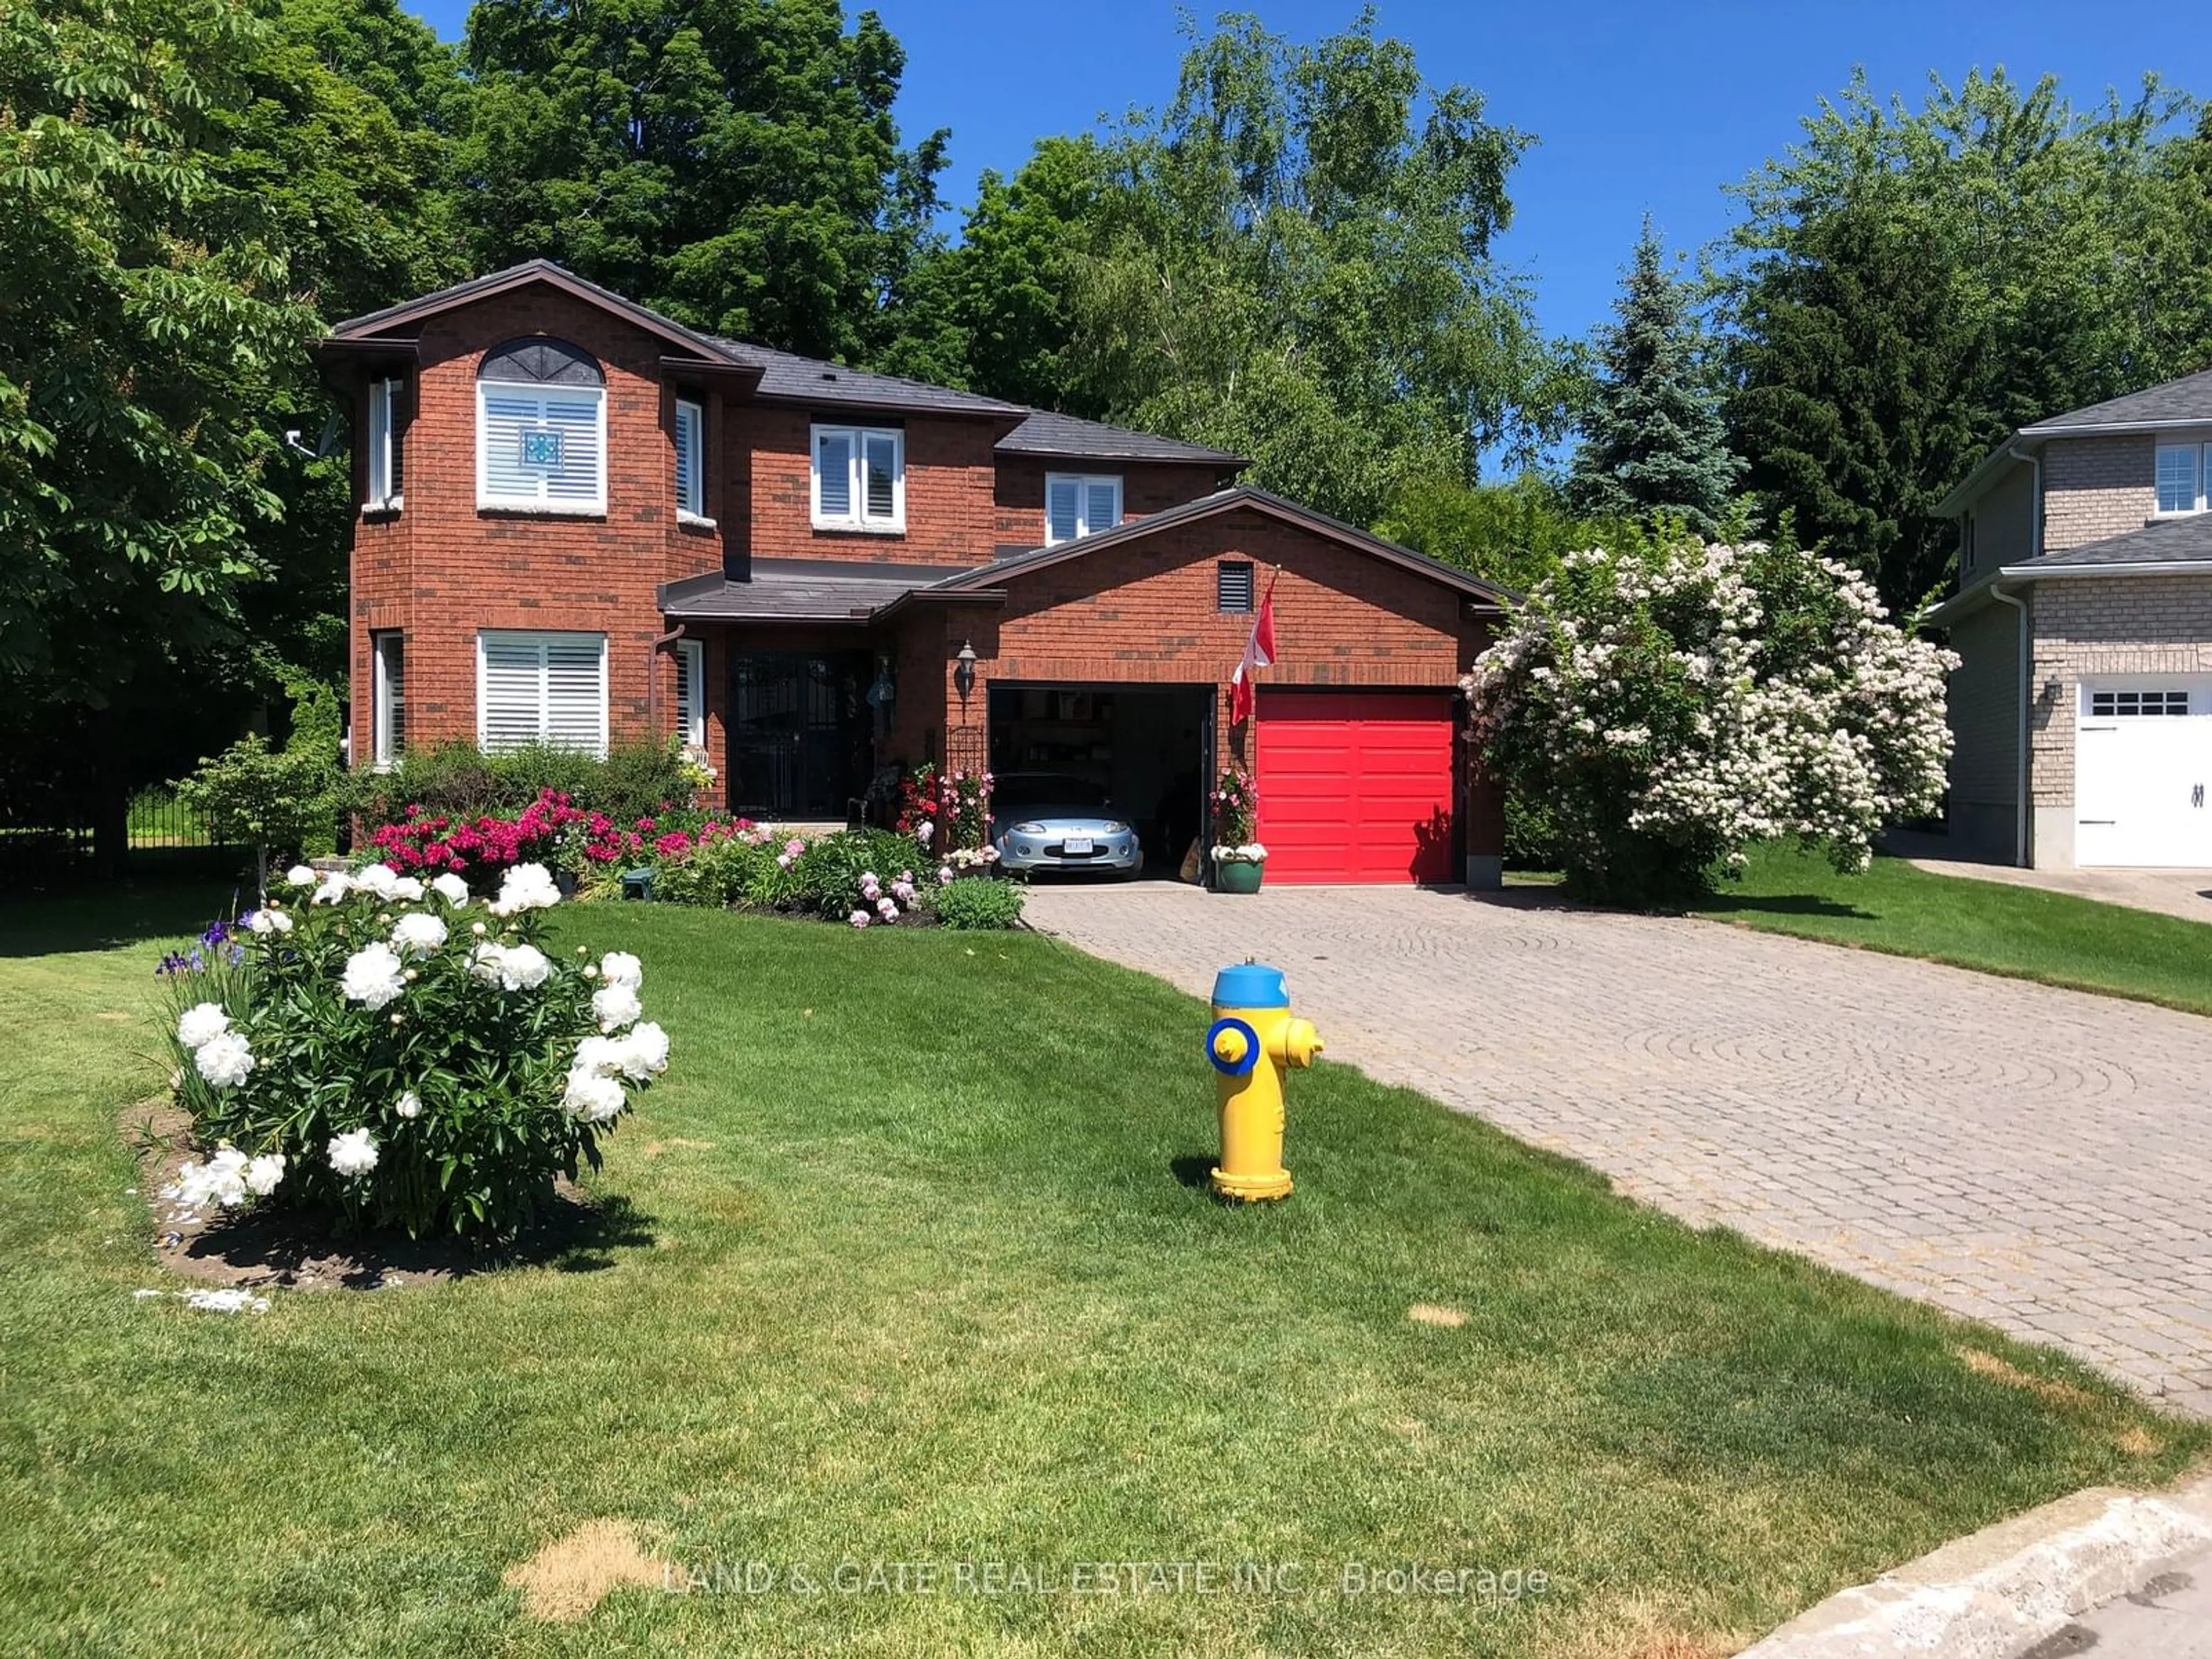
point(2181, 480)
point(541, 429)
point(691, 460)
point(1079, 505)
point(383, 451)
point(859, 478)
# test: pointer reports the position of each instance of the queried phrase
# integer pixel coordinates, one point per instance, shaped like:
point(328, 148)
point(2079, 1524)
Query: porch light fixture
point(963, 669)
point(885, 691)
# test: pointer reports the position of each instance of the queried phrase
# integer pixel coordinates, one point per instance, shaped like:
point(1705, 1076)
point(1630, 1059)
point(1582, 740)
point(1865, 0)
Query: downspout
point(2023, 795)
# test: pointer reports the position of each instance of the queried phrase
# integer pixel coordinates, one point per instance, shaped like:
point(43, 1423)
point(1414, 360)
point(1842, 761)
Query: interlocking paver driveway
point(2035, 1157)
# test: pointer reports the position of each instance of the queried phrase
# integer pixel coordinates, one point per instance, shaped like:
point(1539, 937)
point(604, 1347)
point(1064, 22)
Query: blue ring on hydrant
point(1233, 1067)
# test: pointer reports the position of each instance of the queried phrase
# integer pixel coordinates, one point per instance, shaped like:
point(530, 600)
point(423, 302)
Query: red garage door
point(1356, 786)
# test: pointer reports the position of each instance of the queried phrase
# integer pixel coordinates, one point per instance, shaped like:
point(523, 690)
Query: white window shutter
point(379, 442)
point(1101, 504)
point(505, 414)
point(689, 482)
point(576, 692)
point(513, 698)
point(691, 690)
point(576, 481)
point(1063, 509)
point(881, 451)
point(833, 473)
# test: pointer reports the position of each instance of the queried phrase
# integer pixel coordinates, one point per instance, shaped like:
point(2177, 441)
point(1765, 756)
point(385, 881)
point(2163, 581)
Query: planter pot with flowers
point(1238, 859)
point(1239, 868)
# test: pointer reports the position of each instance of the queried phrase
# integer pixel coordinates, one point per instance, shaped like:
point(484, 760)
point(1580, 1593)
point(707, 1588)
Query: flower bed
point(390, 1052)
point(864, 878)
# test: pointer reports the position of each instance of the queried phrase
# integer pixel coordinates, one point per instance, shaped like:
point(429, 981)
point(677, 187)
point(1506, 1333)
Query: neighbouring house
point(2082, 704)
point(582, 522)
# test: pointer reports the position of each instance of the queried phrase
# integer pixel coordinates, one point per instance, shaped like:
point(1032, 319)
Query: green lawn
point(1992, 926)
point(913, 1262)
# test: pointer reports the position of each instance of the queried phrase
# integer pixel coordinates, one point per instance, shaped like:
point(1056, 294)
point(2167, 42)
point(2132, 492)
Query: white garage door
point(2143, 767)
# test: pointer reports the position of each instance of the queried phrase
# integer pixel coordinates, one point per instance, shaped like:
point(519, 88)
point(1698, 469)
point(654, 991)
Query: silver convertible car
point(1048, 821)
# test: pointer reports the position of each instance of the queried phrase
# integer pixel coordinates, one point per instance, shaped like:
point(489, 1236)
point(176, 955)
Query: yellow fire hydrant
point(1253, 1040)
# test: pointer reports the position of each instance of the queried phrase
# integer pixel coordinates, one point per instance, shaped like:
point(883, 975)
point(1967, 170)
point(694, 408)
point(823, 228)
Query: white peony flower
point(486, 962)
point(621, 968)
point(300, 876)
point(409, 890)
point(526, 887)
point(266, 922)
point(225, 1059)
point(381, 879)
point(417, 933)
point(334, 887)
point(451, 888)
point(644, 1052)
point(223, 1181)
point(615, 1006)
point(353, 1152)
point(592, 1099)
point(598, 1056)
point(374, 975)
point(409, 1105)
point(200, 1023)
point(263, 1174)
point(523, 968)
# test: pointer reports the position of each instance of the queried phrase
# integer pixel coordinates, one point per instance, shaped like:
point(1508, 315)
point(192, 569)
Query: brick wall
point(950, 475)
point(2089, 626)
point(1146, 488)
point(443, 570)
point(2096, 487)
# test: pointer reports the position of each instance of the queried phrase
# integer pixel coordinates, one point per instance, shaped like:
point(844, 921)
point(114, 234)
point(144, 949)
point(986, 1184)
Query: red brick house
point(583, 522)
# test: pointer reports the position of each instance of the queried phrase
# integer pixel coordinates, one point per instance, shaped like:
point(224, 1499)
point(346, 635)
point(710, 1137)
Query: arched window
point(541, 429)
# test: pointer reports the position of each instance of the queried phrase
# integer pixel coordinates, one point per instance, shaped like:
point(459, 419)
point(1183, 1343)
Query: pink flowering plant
point(1236, 817)
point(1672, 701)
point(392, 1052)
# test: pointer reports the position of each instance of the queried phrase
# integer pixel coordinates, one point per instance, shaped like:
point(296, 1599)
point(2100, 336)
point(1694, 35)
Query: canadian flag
point(1259, 652)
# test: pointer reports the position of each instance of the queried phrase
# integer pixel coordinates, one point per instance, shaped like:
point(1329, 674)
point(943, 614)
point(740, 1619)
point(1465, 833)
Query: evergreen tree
point(1654, 441)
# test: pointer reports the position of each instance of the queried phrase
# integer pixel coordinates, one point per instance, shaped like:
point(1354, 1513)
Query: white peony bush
point(391, 1054)
point(1670, 702)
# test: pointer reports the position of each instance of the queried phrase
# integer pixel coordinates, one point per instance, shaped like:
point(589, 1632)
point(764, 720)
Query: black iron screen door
point(799, 743)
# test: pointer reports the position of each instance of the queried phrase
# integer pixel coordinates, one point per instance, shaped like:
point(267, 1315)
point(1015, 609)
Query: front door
point(799, 734)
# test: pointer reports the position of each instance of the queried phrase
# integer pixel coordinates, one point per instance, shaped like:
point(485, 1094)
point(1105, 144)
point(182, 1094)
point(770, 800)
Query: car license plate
point(1075, 844)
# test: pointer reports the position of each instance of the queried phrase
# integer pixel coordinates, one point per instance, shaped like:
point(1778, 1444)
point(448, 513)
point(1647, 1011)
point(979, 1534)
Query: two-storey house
point(2082, 706)
point(582, 522)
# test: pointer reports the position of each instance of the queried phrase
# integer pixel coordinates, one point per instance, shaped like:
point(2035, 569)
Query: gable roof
point(2185, 402)
point(2171, 403)
point(1247, 497)
point(393, 318)
point(1045, 433)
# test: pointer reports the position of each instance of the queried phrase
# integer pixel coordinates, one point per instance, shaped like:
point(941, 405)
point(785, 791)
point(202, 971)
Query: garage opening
point(1139, 754)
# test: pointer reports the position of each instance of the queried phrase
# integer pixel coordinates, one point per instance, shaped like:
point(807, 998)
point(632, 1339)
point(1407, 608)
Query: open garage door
point(1355, 786)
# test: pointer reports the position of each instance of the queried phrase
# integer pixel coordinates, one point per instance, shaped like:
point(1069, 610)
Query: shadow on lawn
point(1724, 903)
point(572, 1234)
point(57, 924)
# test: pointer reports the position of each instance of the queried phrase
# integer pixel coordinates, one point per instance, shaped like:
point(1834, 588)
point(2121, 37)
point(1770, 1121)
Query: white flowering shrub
point(396, 1054)
point(1670, 702)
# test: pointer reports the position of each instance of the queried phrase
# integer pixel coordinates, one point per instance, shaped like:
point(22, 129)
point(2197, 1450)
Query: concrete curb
point(1997, 1593)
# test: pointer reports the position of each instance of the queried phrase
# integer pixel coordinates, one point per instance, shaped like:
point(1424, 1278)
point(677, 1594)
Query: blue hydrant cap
point(1250, 985)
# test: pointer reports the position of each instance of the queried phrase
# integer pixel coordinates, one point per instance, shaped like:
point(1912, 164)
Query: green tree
point(1909, 285)
point(732, 162)
point(1513, 534)
point(993, 312)
point(1653, 442)
point(1293, 262)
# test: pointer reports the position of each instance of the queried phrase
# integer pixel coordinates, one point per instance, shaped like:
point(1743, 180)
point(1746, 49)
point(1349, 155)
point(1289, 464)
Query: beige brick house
point(2082, 705)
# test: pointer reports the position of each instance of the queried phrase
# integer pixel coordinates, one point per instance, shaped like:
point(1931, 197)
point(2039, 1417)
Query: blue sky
point(1652, 106)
